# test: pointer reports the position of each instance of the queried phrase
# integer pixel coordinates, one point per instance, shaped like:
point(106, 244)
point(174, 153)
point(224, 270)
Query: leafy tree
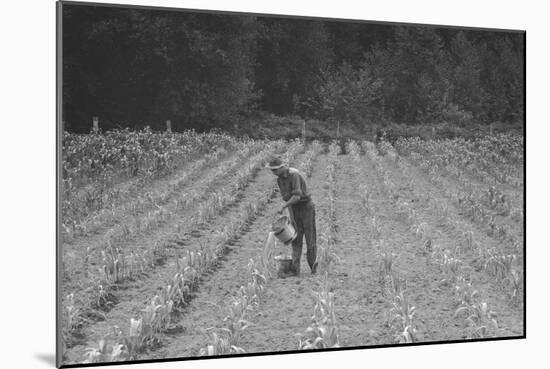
point(291, 55)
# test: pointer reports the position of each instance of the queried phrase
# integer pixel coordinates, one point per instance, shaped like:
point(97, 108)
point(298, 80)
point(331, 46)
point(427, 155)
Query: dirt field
point(362, 304)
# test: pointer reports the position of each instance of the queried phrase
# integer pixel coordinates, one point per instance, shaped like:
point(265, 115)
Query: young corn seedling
point(397, 283)
point(392, 284)
point(498, 264)
point(155, 318)
point(102, 298)
point(258, 280)
point(234, 328)
point(365, 196)
point(412, 217)
point(235, 321)
point(464, 293)
point(323, 332)
point(420, 230)
point(326, 255)
point(388, 258)
point(514, 282)
point(111, 265)
point(468, 240)
point(480, 319)
point(72, 318)
point(220, 346)
point(401, 317)
point(377, 231)
point(451, 267)
point(98, 354)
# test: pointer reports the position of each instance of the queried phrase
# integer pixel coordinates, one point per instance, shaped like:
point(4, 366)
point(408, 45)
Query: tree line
point(137, 67)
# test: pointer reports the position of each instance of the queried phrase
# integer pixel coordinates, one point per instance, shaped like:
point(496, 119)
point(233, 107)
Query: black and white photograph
point(235, 184)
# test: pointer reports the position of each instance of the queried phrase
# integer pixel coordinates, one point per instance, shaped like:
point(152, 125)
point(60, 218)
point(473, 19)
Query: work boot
point(287, 274)
point(314, 268)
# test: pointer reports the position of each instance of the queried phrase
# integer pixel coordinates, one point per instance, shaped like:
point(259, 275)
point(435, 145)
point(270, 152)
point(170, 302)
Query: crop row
point(189, 270)
point(328, 239)
point(118, 265)
point(492, 197)
point(471, 207)
point(496, 262)
point(123, 154)
point(115, 201)
point(401, 313)
point(226, 340)
point(485, 159)
point(210, 205)
point(480, 320)
point(323, 329)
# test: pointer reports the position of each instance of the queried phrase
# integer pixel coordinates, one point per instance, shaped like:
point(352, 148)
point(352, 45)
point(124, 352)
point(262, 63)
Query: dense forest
point(137, 67)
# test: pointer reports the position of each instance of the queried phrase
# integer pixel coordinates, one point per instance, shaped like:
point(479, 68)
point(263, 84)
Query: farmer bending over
point(292, 186)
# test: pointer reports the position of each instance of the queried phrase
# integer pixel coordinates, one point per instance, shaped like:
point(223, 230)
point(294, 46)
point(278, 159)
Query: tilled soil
point(362, 301)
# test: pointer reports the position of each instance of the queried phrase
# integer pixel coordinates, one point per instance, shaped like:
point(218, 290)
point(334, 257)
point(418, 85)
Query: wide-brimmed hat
point(275, 163)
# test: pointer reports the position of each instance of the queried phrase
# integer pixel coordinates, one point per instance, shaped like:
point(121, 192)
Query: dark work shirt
point(293, 183)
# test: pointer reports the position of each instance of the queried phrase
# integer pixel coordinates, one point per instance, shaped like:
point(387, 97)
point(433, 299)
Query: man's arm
point(293, 200)
point(295, 190)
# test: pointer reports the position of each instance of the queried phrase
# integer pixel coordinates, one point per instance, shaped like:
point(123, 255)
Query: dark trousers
point(303, 216)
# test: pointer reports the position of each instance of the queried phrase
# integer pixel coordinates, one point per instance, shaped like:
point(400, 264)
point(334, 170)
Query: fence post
point(304, 131)
point(169, 126)
point(338, 131)
point(95, 126)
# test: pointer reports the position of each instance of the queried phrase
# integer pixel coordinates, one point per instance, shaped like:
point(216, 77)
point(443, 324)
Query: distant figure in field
point(293, 188)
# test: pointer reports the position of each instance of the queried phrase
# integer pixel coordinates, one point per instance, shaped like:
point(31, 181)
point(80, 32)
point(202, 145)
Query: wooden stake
point(95, 127)
point(168, 126)
point(338, 130)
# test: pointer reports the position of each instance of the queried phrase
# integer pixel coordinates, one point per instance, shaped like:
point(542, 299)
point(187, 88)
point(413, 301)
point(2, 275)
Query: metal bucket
point(283, 229)
point(285, 264)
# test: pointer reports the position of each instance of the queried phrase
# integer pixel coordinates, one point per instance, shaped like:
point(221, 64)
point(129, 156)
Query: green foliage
point(205, 70)
point(347, 95)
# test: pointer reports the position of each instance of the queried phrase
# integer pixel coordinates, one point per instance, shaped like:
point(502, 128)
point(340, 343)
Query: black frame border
point(59, 135)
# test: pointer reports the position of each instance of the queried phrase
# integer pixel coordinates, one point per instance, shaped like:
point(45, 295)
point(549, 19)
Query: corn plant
point(157, 315)
point(323, 332)
point(102, 298)
point(464, 293)
point(451, 267)
point(397, 283)
point(220, 346)
point(481, 321)
point(154, 318)
point(258, 279)
point(235, 321)
point(468, 240)
point(365, 198)
point(326, 255)
point(514, 282)
point(498, 264)
point(401, 314)
point(376, 229)
point(105, 353)
point(420, 230)
point(412, 217)
point(72, 318)
point(388, 259)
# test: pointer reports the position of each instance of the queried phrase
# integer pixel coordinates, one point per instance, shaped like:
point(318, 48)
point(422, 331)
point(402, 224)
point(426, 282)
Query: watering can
point(283, 229)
